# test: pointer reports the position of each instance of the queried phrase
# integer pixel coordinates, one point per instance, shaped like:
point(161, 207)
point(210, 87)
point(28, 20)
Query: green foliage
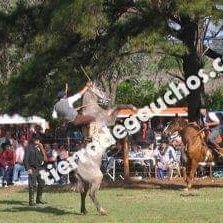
point(168, 62)
point(138, 93)
point(215, 100)
point(80, 16)
point(145, 41)
point(197, 8)
point(44, 43)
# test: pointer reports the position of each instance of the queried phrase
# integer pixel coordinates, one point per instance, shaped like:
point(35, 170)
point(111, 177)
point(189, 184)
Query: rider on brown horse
point(211, 123)
point(64, 109)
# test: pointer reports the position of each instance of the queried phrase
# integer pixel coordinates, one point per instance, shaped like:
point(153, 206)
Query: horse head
point(95, 103)
point(98, 94)
point(174, 126)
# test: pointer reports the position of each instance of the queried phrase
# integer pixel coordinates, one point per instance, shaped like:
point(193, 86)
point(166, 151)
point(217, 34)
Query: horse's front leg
point(191, 169)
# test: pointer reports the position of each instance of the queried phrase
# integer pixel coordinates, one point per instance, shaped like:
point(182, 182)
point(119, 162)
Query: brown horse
point(196, 148)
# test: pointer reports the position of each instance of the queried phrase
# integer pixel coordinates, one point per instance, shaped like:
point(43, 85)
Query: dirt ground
point(175, 183)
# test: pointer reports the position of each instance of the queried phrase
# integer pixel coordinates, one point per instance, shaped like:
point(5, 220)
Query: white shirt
point(213, 117)
point(166, 157)
point(19, 154)
point(71, 100)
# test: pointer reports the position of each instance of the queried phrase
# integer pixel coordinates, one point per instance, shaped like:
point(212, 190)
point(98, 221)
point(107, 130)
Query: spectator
point(19, 158)
point(13, 141)
point(7, 162)
point(62, 155)
point(168, 153)
point(146, 136)
point(52, 153)
point(2, 137)
point(34, 159)
point(165, 158)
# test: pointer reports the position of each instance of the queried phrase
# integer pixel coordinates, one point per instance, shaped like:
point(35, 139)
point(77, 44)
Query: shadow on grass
point(12, 202)
point(45, 209)
point(51, 189)
point(188, 194)
point(178, 184)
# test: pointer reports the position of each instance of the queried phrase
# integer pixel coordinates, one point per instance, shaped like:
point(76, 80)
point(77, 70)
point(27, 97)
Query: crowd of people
point(162, 155)
point(159, 153)
point(14, 143)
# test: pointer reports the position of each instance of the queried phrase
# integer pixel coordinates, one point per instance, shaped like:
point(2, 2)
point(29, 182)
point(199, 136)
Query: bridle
point(103, 101)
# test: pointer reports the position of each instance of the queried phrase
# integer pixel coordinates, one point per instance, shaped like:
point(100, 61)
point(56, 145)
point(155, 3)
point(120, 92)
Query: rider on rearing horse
point(64, 109)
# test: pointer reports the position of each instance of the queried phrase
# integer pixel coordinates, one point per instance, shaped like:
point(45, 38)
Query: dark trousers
point(7, 174)
point(35, 179)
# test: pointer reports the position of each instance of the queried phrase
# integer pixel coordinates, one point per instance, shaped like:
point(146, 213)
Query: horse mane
point(189, 124)
point(194, 126)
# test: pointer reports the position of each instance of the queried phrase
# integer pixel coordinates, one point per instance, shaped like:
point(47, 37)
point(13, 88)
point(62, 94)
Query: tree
point(53, 39)
point(139, 93)
point(215, 101)
point(186, 24)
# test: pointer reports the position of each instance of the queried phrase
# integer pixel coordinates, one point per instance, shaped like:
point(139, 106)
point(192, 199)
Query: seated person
point(114, 153)
point(165, 157)
point(19, 166)
point(62, 153)
point(134, 153)
point(7, 162)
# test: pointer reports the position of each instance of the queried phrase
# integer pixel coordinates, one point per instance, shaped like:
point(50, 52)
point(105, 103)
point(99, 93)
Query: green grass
point(123, 205)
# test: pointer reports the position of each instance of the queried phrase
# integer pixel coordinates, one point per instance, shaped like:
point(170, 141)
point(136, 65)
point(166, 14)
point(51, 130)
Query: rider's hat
point(61, 94)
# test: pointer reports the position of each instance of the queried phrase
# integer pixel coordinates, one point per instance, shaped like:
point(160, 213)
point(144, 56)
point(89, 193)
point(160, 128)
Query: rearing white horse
point(88, 175)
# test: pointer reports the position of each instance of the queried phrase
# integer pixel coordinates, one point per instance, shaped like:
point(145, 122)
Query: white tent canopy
point(17, 119)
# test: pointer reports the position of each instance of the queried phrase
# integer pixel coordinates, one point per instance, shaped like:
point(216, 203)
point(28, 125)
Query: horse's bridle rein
point(103, 99)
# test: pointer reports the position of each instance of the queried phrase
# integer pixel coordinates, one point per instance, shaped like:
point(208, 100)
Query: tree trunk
point(193, 35)
point(191, 67)
point(110, 87)
point(113, 92)
point(126, 157)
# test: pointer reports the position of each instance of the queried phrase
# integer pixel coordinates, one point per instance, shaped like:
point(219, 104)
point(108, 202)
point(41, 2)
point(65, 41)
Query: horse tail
point(186, 147)
point(208, 156)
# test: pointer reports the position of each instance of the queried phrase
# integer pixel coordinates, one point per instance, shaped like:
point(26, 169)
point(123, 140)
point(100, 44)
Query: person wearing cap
point(64, 109)
point(34, 159)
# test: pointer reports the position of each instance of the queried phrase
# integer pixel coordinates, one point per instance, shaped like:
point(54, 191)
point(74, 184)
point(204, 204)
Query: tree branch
point(175, 76)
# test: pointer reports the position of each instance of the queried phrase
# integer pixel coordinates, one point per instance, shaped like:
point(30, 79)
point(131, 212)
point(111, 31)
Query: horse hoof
point(73, 188)
point(102, 211)
point(84, 212)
